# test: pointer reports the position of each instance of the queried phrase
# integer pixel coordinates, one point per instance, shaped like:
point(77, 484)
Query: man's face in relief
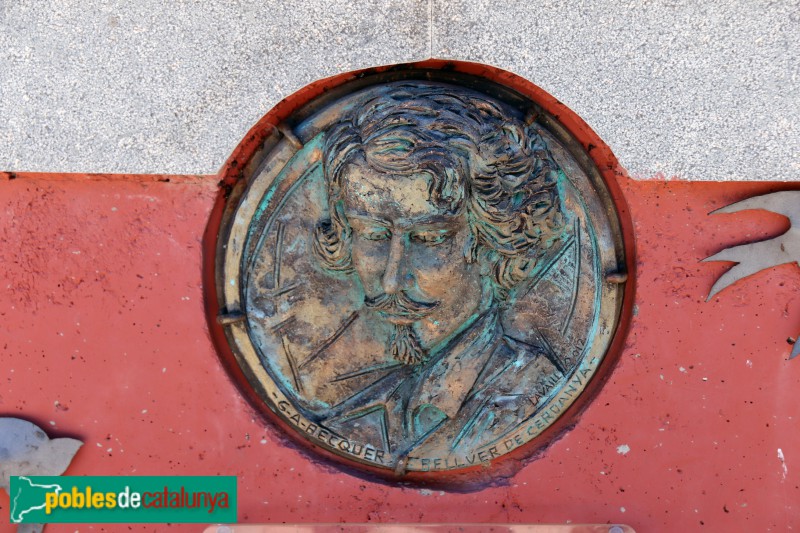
point(409, 254)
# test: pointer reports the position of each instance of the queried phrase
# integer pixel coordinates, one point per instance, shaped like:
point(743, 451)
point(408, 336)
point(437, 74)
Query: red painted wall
point(104, 338)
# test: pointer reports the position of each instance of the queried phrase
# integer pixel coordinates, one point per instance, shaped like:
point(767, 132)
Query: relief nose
point(394, 272)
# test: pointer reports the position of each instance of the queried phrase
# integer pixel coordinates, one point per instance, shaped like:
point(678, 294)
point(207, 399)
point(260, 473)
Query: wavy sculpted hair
point(479, 158)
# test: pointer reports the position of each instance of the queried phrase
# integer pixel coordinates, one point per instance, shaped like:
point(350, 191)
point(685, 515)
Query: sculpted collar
point(447, 382)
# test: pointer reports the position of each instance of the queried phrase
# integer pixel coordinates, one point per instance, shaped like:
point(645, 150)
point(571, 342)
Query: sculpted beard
point(402, 311)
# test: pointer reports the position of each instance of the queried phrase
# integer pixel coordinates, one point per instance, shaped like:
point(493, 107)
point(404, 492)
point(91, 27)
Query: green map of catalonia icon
point(29, 497)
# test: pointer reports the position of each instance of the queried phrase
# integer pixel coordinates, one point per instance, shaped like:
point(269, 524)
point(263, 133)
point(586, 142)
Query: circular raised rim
point(281, 132)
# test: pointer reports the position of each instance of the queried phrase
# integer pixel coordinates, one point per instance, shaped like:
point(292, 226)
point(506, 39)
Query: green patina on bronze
point(422, 282)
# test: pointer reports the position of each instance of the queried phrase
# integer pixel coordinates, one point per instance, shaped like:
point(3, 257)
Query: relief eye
point(431, 238)
point(376, 234)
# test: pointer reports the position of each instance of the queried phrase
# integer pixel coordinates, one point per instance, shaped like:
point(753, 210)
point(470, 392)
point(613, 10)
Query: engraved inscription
point(420, 265)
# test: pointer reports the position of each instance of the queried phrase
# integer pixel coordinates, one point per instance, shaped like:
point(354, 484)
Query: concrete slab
point(694, 90)
point(155, 87)
point(705, 91)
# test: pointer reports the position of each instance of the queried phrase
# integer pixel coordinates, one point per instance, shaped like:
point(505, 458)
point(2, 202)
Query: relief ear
point(331, 246)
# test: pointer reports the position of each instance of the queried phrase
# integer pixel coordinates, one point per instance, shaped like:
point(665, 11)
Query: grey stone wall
point(679, 88)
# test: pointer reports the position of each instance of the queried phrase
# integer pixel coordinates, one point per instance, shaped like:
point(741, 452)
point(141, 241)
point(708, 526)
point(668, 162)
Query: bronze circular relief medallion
point(420, 271)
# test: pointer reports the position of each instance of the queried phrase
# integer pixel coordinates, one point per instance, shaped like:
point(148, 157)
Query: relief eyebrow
point(371, 220)
point(433, 220)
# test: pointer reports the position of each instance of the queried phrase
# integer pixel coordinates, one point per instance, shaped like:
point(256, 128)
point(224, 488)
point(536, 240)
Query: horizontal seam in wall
point(181, 179)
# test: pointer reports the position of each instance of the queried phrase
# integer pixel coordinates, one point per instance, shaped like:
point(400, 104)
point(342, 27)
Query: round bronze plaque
point(422, 272)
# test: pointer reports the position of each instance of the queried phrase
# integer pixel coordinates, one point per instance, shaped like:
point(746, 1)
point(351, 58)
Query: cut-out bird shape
point(26, 450)
point(757, 256)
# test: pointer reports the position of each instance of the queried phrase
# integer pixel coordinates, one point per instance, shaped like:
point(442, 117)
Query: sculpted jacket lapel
point(405, 407)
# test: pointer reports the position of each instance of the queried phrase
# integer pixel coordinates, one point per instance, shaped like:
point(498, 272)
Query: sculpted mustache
point(400, 305)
